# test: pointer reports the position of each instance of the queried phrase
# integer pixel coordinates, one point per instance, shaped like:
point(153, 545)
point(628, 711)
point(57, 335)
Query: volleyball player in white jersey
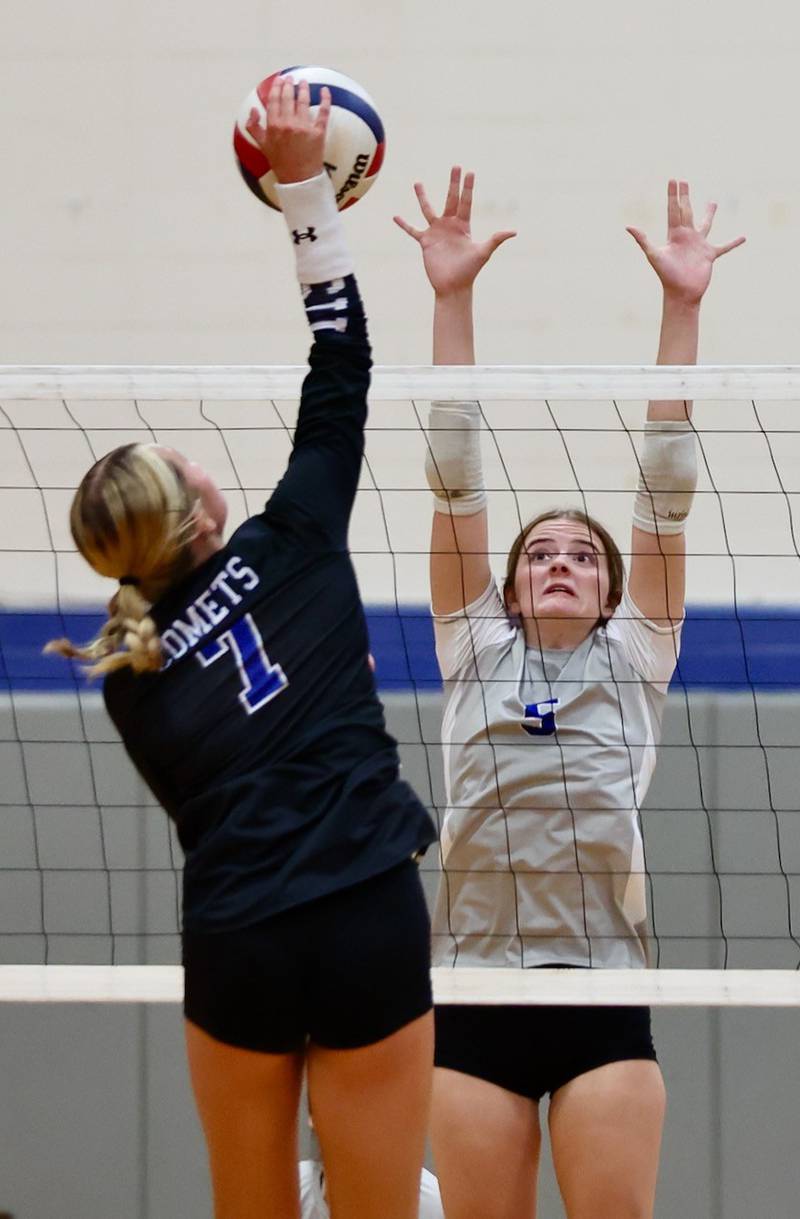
point(555, 683)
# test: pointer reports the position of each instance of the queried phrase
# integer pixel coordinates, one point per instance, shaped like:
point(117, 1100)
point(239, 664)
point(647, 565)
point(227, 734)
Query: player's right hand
point(452, 259)
point(293, 139)
point(685, 262)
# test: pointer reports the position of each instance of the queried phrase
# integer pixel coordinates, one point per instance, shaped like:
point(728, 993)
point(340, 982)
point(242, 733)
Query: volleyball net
point(89, 865)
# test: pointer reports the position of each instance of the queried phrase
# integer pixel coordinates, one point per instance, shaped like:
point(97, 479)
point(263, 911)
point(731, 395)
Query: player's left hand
point(452, 259)
point(684, 264)
point(293, 140)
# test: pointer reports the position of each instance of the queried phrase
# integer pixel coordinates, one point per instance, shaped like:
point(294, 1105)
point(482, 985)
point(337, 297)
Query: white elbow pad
point(453, 460)
point(668, 476)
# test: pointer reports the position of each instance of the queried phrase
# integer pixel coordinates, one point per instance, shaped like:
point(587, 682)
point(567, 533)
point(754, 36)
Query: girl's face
point(562, 572)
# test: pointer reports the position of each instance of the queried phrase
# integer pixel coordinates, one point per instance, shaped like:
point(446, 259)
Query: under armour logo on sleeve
point(309, 235)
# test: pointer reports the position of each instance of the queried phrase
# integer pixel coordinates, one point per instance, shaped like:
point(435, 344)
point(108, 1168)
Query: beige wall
point(128, 236)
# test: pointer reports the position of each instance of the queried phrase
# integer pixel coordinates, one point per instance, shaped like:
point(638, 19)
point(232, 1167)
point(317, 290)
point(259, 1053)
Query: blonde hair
point(132, 518)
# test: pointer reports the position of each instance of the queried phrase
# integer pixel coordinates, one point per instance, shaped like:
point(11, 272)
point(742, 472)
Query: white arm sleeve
point(461, 636)
point(315, 227)
point(651, 650)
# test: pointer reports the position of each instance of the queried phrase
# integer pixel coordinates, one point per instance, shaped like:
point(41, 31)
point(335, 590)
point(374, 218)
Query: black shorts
point(343, 971)
point(533, 1050)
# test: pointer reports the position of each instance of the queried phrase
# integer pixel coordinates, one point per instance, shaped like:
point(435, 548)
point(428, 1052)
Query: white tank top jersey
point(313, 1204)
point(548, 756)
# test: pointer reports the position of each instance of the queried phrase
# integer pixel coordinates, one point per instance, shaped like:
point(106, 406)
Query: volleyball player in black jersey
point(237, 675)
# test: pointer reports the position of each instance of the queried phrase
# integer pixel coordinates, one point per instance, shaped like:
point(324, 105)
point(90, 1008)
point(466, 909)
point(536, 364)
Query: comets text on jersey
point(209, 609)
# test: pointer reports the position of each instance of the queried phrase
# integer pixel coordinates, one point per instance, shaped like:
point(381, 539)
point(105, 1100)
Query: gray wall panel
point(105, 1090)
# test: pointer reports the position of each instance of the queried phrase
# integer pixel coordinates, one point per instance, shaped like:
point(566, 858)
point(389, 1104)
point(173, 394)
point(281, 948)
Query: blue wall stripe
point(759, 647)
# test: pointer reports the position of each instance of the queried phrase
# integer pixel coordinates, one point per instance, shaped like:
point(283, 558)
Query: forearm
point(678, 343)
point(323, 262)
point(321, 479)
point(323, 470)
point(453, 460)
point(459, 566)
point(453, 331)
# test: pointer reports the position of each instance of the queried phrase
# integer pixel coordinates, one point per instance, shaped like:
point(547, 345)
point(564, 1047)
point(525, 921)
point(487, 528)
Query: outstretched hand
point(684, 264)
point(292, 139)
point(452, 259)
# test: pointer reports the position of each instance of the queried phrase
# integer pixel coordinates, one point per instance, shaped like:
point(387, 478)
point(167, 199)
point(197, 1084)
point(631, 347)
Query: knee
point(635, 1209)
point(623, 1205)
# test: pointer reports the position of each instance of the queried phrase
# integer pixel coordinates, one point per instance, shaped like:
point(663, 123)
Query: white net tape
point(601, 987)
point(716, 382)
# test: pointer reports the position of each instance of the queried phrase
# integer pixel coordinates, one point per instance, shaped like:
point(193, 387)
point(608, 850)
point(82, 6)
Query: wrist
point(454, 296)
point(677, 304)
point(453, 331)
point(455, 305)
point(298, 173)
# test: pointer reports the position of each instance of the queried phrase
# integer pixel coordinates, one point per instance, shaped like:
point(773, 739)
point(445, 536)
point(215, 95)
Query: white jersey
point(547, 757)
point(313, 1203)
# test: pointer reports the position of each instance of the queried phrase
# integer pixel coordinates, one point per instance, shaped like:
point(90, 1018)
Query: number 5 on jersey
point(538, 720)
point(261, 681)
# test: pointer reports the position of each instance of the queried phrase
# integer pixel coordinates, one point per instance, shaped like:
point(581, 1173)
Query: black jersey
point(262, 736)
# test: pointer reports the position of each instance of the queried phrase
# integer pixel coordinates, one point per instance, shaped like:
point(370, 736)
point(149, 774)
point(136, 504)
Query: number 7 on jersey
point(261, 681)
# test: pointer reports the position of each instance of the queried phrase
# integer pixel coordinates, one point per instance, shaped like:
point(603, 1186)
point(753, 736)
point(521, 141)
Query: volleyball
point(354, 144)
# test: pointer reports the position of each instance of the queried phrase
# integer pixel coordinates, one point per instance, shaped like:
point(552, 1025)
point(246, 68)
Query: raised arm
point(669, 468)
point(459, 568)
point(322, 476)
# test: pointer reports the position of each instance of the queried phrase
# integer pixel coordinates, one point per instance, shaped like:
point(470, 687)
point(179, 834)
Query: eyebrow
point(581, 541)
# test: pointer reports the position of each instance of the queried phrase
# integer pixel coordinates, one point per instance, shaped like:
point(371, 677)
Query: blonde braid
point(128, 638)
